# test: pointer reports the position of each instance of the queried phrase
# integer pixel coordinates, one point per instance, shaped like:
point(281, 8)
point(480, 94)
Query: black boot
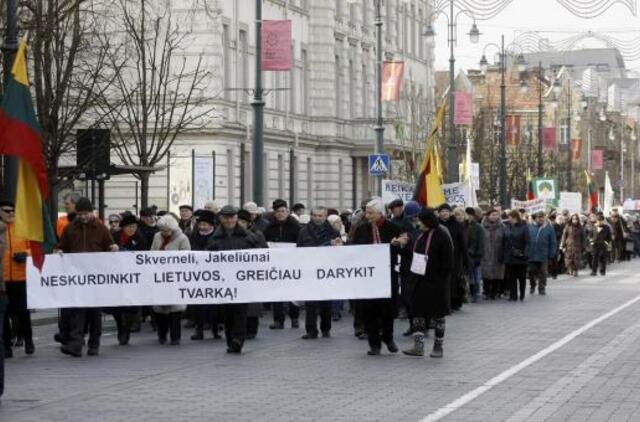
point(437, 351)
point(198, 333)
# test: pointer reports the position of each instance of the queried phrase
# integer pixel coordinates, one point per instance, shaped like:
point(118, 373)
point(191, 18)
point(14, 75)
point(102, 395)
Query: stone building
point(319, 117)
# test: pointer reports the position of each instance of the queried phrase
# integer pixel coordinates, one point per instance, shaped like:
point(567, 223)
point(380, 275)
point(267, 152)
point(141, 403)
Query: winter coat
point(461, 263)
point(430, 293)
point(148, 232)
point(238, 239)
point(600, 238)
point(200, 242)
point(572, 243)
point(91, 237)
point(494, 252)
point(285, 232)
point(134, 243)
point(517, 244)
point(14, 259)
point(179, 242)
point(543, 243)
point(476, 242)
point(316, 235)
point(3, 247)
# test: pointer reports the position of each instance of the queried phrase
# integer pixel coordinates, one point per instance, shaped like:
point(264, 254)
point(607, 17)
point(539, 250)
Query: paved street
point(531, 361)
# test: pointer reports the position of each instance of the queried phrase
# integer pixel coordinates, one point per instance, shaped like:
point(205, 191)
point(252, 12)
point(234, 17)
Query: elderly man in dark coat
point(380, 313)
point(231, 236)
point(431, 268)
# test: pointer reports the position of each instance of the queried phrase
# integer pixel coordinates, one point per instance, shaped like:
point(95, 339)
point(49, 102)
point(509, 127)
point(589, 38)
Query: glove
point(20, 257)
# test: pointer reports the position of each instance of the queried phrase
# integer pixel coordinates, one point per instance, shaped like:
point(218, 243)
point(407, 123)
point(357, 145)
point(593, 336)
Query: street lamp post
point(258, 116)
point(540, 128)
point(569, 152)
point(379, 128)
point(453, 154)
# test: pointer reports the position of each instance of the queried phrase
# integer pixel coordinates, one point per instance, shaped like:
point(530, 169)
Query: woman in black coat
point(430, 297)
point(516, 255)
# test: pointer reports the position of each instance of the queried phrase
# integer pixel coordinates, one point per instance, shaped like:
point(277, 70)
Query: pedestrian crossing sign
point(378, 164)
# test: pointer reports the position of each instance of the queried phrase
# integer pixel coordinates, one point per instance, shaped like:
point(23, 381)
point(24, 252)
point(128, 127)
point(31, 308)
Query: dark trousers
point(538, 275)
point(17, 312)
point(125, 318)
point(235, 322)
point(516, 276)
point(64, 318)
point(78, 320)
point(493, 287)
point(599, 260)
point(169, 323)
point(253, 322)
point(2, 312)
point(357, 310)
point(312, 310)
point(278, 311)
point(378, 320)
point(206, 314)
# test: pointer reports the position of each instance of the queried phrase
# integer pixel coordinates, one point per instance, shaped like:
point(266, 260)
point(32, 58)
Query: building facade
point(319, 116)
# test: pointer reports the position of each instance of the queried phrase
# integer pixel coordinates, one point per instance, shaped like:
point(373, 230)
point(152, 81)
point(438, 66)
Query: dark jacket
point(516, 244)
point(476, 236)
point(148, 232)
point(494, 251)
point(600, 238)
point(136, 242)
point(200, 242)
point(316, 235)
point(91, 237)
point(460, 252)
point(285, 232)
point(431, 292)
point(237, 239)
point(544, 245)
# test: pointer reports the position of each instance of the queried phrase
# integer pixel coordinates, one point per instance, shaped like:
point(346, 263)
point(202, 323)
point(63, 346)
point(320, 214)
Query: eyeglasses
point(8, 210)
point(114, 222)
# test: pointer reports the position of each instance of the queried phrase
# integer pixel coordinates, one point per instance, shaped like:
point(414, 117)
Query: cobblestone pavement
point(570, 355)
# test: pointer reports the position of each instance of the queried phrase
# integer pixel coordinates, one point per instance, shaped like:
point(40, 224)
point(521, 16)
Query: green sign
point(546, 188)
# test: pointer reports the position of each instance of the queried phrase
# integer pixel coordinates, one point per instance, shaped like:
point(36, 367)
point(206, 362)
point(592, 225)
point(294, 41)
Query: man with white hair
point(380, 313)
point(212, 206)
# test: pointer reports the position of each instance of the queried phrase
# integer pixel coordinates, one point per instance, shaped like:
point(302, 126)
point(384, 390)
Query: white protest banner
point(571, 201)
point(532, 206)
point(457, 194)
point(393, 189)
point(190, 277)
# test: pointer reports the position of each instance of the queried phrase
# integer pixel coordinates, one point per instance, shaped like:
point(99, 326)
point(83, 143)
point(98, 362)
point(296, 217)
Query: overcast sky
point(540, 15)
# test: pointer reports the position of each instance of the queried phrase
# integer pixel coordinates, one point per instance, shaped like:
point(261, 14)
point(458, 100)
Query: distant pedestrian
point(493, 259)
point(517, 245)
point(572, 244)
point(542, 249)
point(476, 245)
point(600, 241)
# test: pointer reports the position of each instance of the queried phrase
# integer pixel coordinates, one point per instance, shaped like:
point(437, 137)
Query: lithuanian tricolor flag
point(592, 192)
point(428, 191)
point(20, 136)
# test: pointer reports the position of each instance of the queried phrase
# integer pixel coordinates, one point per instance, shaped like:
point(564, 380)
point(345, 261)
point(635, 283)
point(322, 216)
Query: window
point(309, 183)
point(340, 183)
point(226, 62)
point(365, 15)
point(337, 86)
point(280, 176)
point(244, 59)
point(339, 9)
point(420, 41)
point(304, 82)
point(405, 32)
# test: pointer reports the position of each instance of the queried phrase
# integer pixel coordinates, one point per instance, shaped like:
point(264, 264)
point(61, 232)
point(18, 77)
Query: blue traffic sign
point(378, 164)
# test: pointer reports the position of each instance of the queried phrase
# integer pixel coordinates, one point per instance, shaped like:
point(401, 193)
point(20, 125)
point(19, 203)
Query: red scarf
point(124, 238)
point(376, 230)
point(165, 242)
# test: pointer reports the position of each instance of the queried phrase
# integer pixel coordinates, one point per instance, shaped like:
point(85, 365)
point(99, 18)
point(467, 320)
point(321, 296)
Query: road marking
point(502, 377)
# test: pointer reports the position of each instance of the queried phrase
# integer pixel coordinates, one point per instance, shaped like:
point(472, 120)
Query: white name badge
point(419, 264)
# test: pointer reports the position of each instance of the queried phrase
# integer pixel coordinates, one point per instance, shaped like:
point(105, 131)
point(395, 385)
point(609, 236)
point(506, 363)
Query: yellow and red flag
point(20, 136)
point(428, 191)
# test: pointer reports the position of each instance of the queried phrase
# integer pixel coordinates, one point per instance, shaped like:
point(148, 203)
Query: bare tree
point(157, 94)
point(65, 72)
point(411, 127)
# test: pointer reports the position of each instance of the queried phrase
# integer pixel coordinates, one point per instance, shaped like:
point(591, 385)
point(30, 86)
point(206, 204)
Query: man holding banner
point(84, 234)
point(230, 236)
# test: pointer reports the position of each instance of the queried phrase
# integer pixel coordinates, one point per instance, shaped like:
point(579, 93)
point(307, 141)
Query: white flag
point(608, 194)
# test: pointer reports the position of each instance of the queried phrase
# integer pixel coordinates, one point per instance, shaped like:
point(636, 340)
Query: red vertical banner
point(597, 159)
point(392, 73)
point(549, 141)
point(576, 149)
point(464, 109)
point(512, 130)
point(276, 45)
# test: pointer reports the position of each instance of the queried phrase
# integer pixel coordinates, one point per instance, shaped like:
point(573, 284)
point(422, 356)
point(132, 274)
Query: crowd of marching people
point(441, 259)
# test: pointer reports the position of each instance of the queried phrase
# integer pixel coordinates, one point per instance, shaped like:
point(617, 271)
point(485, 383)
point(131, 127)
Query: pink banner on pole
point(512, 130)
point(392, 73)
point(464, 109)
point(597, 159)
point(549, 141)
point(276, 45)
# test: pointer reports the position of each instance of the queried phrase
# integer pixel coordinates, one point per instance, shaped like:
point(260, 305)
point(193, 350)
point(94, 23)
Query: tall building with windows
point(319, 116)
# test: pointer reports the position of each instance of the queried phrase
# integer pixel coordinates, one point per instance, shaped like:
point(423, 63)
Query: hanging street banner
point(394, 189)
point(276, 45)
point(463, 108)
point(203, 183)
point(597, 159)
point(190, 277)
point(513, 132)
point(392, 73)
point(531, 207)
point(180, 181)
point(457, 194)
point(576, 149)
point(549, 139)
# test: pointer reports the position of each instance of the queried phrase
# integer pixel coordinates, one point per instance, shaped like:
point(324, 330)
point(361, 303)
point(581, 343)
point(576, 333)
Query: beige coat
point(179, 242)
